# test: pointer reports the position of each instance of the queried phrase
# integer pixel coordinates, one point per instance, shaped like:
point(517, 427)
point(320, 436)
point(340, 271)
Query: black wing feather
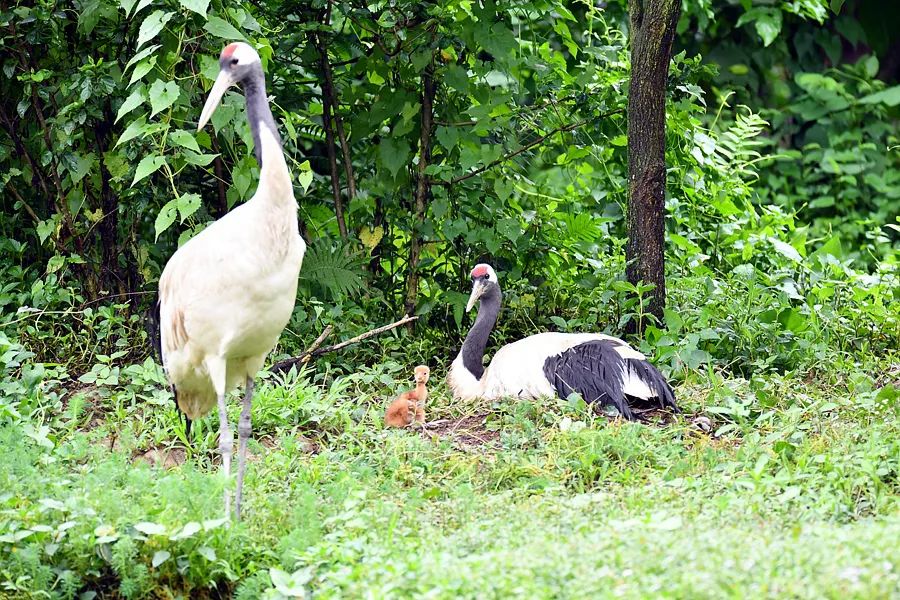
point(595, 371)
point(153, 322)
point(153, 330)
point(655, 381)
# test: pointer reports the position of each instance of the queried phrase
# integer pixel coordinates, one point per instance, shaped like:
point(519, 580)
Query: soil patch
point(466, 433)
point(167, 457)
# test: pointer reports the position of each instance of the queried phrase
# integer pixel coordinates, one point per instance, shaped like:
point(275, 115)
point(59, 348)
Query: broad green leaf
point(148, 165)
point(207, 553)
point(201, 160)
point(185, 139)
point(786, 250)
point(223, 29)
point(135, 128)
point(833, 247)
point(509, 228)
point(187, 205)
point(141, 5)
point(500, 41)
point(871, 65)
point(89, 15)
point(457, 78)
point(242, 176)
point(79, 166)
point(166, 217)
point(150, 528)
point(45, 228)
point(129, 4)
point(769, 26)
point(193, 527)
point(152, 25)
point(135, 99)
point(213, 524)
point(198, 6)
point(766, 20)
point(159, 557)
point(792, 320)
point(448, 136)
point(141, 55)
point(280, 579)
point(305, 176)
point(142, 69)
point(393, 154)
point(890, 97)
point(209, 67)
point(163, 95)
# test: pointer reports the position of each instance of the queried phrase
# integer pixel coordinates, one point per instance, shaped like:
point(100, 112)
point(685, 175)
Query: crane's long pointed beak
point(223, 82)
point(477, 291)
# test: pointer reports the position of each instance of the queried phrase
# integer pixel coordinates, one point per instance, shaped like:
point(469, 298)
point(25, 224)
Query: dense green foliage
point(782, 324)
point(525, 162)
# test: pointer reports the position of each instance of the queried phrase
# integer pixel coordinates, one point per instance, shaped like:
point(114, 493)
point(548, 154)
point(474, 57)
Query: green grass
point(796, 496)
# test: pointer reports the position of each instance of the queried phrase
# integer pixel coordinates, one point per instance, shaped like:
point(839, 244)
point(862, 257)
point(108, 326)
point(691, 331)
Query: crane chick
point(409, 406)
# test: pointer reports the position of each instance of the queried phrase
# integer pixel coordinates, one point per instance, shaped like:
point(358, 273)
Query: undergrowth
point(793, 491)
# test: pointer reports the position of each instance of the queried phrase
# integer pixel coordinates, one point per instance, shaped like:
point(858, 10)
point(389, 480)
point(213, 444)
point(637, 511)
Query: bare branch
point(534, 143)
point(285, 365)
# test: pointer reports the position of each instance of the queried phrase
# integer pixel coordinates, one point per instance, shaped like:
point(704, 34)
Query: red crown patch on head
point(229, 50)
point(479, 271)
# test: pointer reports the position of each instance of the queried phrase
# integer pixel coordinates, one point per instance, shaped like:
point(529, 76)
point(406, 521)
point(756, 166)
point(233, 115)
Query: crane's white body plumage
point(517, 369)
point(603, 370)
point(227, 294)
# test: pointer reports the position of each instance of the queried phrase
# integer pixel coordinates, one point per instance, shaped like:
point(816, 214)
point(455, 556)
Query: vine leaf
point(152, 25)
point(149, 164)
point(198, 6)
point(221, 28)
point(163, 95)
point(183, 138)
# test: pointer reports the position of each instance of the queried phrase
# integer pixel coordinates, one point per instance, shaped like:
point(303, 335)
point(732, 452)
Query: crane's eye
point(234, 61)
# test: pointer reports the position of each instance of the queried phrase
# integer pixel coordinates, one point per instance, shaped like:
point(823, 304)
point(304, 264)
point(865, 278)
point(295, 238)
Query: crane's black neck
point(477, 339)
point(258, 112)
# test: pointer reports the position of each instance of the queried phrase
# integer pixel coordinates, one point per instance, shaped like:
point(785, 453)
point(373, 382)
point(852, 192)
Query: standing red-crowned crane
point(602, 369)
point(226, 295)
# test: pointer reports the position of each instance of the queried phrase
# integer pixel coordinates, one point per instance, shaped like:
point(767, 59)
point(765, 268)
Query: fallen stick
point(307, 354)
point(313, 351)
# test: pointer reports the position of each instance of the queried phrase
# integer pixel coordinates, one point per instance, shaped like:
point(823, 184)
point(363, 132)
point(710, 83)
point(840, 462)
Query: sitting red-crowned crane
point(602, 369)
point(226, 295)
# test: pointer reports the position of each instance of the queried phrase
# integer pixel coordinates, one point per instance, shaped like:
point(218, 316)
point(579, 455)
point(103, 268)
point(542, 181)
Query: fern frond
point(336, 269)
point(736, 147)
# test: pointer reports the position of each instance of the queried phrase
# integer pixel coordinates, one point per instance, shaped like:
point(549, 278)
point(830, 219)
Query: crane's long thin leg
point(226, 445)
point(217, 369)
point(244, 430)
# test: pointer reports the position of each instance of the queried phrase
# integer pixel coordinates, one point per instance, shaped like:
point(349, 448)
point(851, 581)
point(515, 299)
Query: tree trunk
point(423, 187)
point(328, 112)
point(112, 276)
point(652, 33)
